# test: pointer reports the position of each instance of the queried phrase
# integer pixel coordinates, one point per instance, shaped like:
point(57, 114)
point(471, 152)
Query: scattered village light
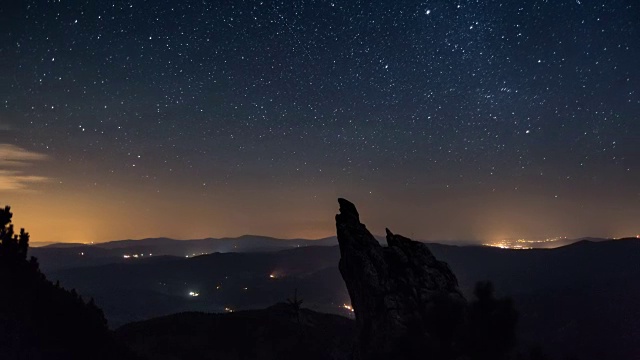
point(193, 293)
point(228, 309)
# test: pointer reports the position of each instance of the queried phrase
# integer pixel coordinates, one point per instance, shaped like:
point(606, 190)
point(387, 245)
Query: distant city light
point(272, 276)
point(193, 293)
point(194, 254)
point(525, 244)
point(127, 256)
point(348, 307)
point(230, 310)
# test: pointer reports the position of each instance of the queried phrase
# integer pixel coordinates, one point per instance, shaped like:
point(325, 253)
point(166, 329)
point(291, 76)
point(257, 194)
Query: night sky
point(443, 120)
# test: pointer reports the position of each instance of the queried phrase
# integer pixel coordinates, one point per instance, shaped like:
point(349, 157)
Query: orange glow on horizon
point(74, 215)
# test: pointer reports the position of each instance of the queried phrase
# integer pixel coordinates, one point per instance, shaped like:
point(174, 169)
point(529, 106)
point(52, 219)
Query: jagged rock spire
point(401, 294)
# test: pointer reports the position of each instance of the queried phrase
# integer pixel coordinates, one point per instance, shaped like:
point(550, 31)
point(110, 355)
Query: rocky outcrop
point(406, 302)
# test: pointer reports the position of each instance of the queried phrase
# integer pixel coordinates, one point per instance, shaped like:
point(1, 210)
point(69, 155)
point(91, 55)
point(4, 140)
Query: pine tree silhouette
point(40, 320)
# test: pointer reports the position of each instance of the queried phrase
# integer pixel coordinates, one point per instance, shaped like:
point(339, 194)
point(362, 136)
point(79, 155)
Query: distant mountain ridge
point(244, 242)
point(265, 241)
point(58, 256)
point(66, 255)
point(254, 242)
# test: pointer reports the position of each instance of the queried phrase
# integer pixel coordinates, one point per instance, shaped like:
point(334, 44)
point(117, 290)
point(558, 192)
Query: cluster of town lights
point(524, 244)
point(194, 254)
point(127, 256)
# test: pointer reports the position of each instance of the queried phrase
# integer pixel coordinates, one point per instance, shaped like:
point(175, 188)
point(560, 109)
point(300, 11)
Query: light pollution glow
point(97, 216)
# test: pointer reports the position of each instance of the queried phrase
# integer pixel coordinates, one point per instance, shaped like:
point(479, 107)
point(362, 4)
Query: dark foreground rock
point(407, 303)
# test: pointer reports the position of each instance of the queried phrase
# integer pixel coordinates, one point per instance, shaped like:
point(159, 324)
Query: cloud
point(15, 154)
point(15, 180)
point(12, 157)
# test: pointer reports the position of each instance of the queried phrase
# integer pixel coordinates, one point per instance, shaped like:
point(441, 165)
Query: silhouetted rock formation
point(407, 303)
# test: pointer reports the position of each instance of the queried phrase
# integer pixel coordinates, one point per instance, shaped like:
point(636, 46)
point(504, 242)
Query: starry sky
point(442, 120)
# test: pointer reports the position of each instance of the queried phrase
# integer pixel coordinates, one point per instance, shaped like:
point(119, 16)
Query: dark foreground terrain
point(281, 331)
point(575, 302)
point(579, 300)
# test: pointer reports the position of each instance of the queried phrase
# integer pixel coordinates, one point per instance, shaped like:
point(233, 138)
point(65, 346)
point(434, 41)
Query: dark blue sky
point(443, 119)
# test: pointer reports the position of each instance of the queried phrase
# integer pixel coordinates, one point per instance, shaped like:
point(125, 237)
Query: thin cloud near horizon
point(13, 161)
